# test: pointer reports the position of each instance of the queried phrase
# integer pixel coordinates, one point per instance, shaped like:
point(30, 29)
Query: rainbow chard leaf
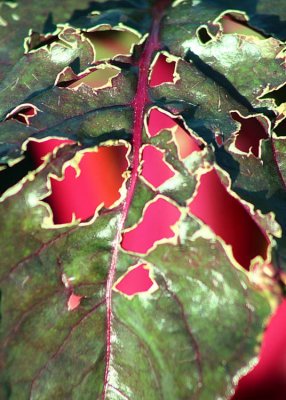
point(141, 145)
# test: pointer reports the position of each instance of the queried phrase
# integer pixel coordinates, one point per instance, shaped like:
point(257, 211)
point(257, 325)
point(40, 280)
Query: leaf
point(16, 21)
point(252, 66)
point(120, 277)
point(279, 145)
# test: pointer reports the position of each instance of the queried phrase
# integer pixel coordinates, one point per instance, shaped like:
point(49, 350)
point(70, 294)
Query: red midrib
point(139, 103)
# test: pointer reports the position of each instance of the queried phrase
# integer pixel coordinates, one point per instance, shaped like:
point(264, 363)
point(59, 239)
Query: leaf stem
point(139, 103)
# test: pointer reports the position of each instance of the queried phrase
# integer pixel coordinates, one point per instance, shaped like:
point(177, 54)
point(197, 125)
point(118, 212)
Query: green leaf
point(16, 21)
point(68, 328)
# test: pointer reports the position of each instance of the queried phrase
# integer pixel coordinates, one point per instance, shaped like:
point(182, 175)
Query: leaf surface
point(112, 286)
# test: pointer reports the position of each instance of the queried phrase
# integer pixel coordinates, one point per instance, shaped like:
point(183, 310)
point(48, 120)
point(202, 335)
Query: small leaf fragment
point(73, 302)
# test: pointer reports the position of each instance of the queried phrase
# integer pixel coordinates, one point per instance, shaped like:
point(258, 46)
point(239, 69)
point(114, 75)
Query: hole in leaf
point(23, 113)
point(267, 381)
point(203, 35)
point(111, 43)
point(229, 219)
point(238, 24)
point(99, 183)
point(159, 121)
point(186, 145)
point(10, 176)
point(37, 40)
point(34, 155)
point(280, 129)
point(250, 134)
point(73, 302)
point(279, 95)
point(219, 139)
point(137, 280)
point(155, 169)
point(95, 78)
point(163, 71)
point(38, 150)
point(157, 225)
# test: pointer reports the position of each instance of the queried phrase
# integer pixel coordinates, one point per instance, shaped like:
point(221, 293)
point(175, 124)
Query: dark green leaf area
point(200, 294)
point(67, 332)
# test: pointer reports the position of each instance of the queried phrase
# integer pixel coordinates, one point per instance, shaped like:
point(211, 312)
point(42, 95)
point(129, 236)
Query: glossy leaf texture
point(142, 179)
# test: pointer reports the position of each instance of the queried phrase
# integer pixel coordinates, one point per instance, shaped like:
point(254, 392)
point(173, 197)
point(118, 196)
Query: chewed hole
point(111, 43)
point(157, 225)
point(163, 71)
point(23, 113)
point(229, 219)
point(267, 380)
point(159, 121)
point(37, 40)
point(219, 139)
point(137, 280)
point(97, 181)
point(33, 157)
point(203, 35)
point(155, 169)
point(250, 134)
point(38, 150)
point(279, 95)
point(231, 25)
point(280, 129)
point(185, 143)
point(95, 78)
point(10, 176)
